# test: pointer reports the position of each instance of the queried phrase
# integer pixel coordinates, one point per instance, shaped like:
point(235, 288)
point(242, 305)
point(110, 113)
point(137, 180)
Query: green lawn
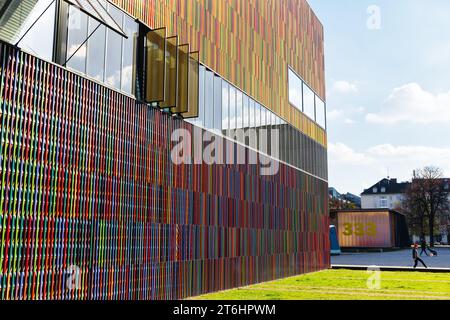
point(345, 285)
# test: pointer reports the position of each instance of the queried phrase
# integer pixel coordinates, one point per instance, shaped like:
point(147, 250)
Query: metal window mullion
point(121, 51)
point(105, 53)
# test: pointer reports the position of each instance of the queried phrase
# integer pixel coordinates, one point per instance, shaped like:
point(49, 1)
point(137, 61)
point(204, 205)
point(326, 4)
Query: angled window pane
point(308, 100)
point(96, 50)
point(97, 10)
point(18, 16)
point(156, 65)
point(182, 105)
point(171, 73)
point(33, 41)
point(77, 34)
point(193, 86)
point(131, 29)
point(113, 51)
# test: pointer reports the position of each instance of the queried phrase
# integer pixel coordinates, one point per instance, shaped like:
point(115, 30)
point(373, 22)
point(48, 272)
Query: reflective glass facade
point(106, 56)
point(304, 99)
point(238, 111)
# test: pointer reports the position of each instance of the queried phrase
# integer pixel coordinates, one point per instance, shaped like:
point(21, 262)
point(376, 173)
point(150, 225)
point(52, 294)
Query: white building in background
point(385, 194)
point(389, 194)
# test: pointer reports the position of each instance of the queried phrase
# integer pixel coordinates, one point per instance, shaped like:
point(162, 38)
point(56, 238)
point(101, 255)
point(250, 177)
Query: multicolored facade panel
point(250, 43)
point(365, 229)
point(88, 190)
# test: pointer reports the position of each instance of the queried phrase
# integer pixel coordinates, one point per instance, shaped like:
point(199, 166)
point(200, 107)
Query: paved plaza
point(402, 258)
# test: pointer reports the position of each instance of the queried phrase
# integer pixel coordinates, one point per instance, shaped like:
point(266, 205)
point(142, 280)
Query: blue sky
point(388, 89)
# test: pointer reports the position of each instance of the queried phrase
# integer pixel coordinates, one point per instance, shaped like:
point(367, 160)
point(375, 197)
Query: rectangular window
point(131, 29)
point(217, 103)
point(16, 23)
point(295, 90)
point(246, 110)
point(209, 102)
point(232, 107)
point(225, 107)
point(96, 50)
point(77, 34)
point(257, 123)
point(383, 202)
point(106, 56)
point(321, 113)
point(239, 110)
point(257, 115)
point(201, 98)
point(113, 66)
point(308, 102)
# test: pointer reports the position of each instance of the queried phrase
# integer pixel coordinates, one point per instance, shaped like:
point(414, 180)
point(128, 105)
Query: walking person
point(415, 255)
point(423, 246)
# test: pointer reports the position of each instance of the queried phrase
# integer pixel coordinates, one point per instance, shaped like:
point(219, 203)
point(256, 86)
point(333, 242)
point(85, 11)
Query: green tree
point(426, 201)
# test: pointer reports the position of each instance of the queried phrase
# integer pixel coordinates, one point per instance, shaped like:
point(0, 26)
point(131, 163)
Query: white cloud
point(334, 114)
point(412, 104)
point(343, 86)
point(349, 121)
point(352, 170)
point(340, 153)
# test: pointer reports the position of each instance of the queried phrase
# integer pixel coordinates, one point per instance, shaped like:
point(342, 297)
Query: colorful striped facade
point(250, 43)
point(87, 179)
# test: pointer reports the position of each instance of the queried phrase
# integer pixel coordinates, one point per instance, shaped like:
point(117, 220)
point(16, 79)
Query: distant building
point(347, 198)
point(353, 199)
point(385, 194)
point(370, 228)
point(389, 194)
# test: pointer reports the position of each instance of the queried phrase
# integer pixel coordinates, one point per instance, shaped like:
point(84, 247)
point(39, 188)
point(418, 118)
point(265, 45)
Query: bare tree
point(426, 200)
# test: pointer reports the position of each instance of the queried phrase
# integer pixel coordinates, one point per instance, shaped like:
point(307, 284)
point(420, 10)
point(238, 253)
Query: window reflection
point(239, 110)
point(209, 103)
point(113, 51)
point(129, 49)
point(225, 106)
point(16, 23)
point(303, 98)
point(217, 103)
point(201, 107)
point(246, 111)
point(295, 90)
point(320, 112)
point(77, 34)
point(105, 56)
point(308, 102)
point(232, 106)
point(96, 50)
